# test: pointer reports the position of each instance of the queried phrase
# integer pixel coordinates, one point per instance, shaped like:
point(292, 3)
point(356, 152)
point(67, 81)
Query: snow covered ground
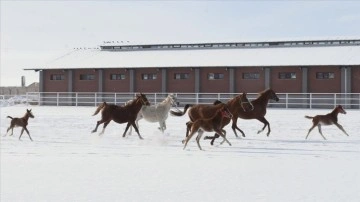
point(66, 162)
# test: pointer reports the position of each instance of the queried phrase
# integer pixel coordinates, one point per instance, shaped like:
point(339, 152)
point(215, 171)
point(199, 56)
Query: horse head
point(29, 113)
point(245, 103)
point(143, 99)
point(271, 94)
point(173, 99)
point(340, 109)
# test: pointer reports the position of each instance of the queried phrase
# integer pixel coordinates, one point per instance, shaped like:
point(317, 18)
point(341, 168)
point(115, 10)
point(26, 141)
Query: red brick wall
point(286, 85)
point(214, 86)
point(180, 85)
point(324, 85)
point(116, 85)
point(249, 85)
point(86, 85)
point(55, 85)
point(148, 86)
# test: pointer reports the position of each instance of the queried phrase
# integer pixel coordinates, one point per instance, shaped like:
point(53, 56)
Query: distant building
point(287, 66)
point(19, 90)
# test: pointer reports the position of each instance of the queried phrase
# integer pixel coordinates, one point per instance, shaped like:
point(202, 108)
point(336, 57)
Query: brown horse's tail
point(180, 113)
point(99, 108)
point(309, 117)
point(9, 117)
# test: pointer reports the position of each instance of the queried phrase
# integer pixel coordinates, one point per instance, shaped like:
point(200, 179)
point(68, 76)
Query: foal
point(328, 119)
point(20, 122)
point(210, 125)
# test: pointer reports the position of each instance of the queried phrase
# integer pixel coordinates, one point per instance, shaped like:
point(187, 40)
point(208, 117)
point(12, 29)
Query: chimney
point(22, 81)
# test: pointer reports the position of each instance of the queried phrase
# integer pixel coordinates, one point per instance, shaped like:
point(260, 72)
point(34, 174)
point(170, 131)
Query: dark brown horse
point(258, 112)
point(121, 114)
point(213, 124)
point(20, 122)
point(328, 119)
point(202, 111)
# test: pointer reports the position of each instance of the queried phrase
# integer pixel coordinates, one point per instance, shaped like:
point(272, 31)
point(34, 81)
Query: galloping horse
point(328, 119)
point(258, 112)
point(157, 113)
point(209, 125)
point(121, 114)
point(20, 122)
point(202, 111)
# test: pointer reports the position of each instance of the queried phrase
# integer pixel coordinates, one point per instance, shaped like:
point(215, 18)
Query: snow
point(237, 57)
point(66, 162)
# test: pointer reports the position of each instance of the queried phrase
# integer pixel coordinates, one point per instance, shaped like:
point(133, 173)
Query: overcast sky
point(34, 32)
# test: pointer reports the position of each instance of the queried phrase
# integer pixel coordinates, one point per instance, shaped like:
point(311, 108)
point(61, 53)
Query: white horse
point(157, 113)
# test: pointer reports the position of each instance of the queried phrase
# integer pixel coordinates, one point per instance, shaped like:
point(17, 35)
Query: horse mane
point(263, 92)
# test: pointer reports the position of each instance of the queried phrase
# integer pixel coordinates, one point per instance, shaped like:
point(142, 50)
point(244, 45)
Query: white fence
point(287, 100)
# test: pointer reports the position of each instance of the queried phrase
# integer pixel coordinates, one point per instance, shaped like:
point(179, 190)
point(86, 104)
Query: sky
point(36, 32)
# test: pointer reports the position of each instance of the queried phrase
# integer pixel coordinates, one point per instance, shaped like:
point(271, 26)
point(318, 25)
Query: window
point(181, 76)
point(325, 75)
point(214, 76)
point(117, 76)
point(251, 75)
point(87, 76)
point(287, 75)
point(148, 76)
point(57, 77)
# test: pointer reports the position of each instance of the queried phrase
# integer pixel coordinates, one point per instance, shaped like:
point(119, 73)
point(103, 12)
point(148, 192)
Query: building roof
point(298, 53)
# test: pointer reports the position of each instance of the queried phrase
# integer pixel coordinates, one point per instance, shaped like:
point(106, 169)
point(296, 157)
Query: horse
point(209, 125)
point(328, 119)
point(157, 113)
point(121, 114)
point(207, 111)
point(20, 122)
point(259, 112)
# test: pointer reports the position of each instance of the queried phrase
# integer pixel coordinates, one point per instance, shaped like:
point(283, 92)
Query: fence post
point(334, 100)
point(310, 101)
point(95, 99)
point(115, 98)
point(57, 99)
point(286, 98)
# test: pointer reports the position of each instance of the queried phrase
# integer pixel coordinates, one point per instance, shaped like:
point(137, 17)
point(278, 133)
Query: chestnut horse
point(121, 114)
point(209, 125)
point(259, 112)
point(202, 111)
point(328, 119)
point(20, 122)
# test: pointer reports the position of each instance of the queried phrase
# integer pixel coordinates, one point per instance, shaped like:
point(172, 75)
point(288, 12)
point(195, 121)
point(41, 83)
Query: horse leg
point(319, 127)
point(7, 131)
point(266, 123)
point(136, 130)
point(186, 140)
point(22, 131)
point(223, 136)
point(127, 127)
point(28, 133)
point(235, 127)
point(200, 133)
point(310, 131)
point(224, 132)
point(103, 130)
point(97, 125)
point(341, 128)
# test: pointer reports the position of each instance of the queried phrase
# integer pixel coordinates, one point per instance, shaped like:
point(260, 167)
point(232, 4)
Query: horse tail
point(99, 108)
point(309, 117)
point(9, 117)
point(180, 113)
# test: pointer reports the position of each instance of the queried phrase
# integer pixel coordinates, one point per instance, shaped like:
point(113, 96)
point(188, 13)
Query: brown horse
point(259, 112)
point(209, 125)
point(328, 119)
point(121, 114)
point(20, 122)
point(202, 111)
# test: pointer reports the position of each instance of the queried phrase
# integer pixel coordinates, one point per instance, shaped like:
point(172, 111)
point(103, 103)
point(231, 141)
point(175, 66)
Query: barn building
point(287, 66)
